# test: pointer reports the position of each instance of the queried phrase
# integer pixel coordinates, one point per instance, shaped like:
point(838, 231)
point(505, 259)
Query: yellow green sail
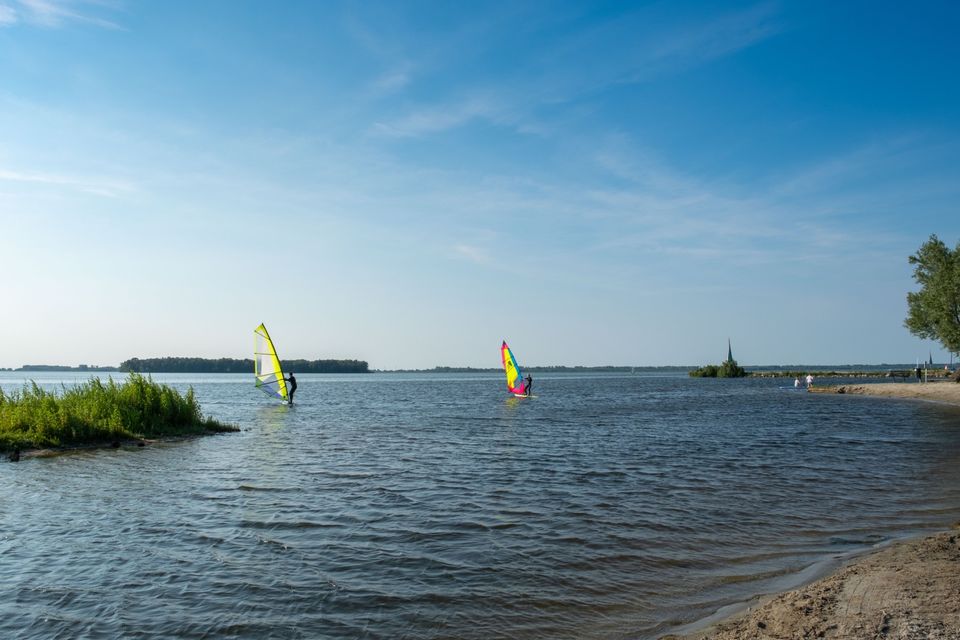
point(266, 365)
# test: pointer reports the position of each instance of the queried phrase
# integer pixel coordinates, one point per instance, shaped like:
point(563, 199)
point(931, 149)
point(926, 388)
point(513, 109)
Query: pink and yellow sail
point(515, 382)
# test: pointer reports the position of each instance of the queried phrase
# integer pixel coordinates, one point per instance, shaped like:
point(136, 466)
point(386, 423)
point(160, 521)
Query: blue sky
point(410, 183)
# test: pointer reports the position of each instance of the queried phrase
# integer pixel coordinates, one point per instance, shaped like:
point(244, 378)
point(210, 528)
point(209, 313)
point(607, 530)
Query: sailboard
point(515, 382)
point(266, 366)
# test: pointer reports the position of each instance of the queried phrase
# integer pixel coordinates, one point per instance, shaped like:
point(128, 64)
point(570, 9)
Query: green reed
point(97, 411)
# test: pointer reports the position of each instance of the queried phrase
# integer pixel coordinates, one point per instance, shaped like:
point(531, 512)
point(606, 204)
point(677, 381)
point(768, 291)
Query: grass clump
point(95, 411)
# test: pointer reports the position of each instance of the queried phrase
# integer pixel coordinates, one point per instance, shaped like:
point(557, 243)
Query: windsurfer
point(529, 390)
point(292, 388)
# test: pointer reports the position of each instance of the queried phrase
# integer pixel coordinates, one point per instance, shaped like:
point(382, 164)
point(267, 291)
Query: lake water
point(421, 506)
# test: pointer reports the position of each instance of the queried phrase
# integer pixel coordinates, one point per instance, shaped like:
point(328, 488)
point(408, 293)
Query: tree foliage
point(730, 369)
point(707, 371)
point(934, 311)
point(727, 369)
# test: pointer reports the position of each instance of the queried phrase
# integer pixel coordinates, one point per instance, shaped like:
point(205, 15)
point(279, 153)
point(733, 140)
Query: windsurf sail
point(515, 382)
point(266, 365)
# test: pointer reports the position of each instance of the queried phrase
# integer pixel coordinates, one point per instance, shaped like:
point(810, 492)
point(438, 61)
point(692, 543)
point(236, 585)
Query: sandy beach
point(908, 590)
point(941, 391)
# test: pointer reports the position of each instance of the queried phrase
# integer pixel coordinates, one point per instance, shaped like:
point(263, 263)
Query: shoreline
point(123, 443)
point(946, 392)
point(908, 589)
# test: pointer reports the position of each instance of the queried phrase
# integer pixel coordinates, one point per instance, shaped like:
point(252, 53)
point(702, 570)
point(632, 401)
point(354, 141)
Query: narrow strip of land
point(909, 590)
point(944, 391)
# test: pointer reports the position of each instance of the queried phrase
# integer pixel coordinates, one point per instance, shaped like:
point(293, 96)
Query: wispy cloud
point(54, 14)
point(392, 81)
point(473, 254)
point(94, 186)
point(624, 50)
point(441, 118)
point(699, 43)
point(830, 209)
point(7, 15)
point(852, 166)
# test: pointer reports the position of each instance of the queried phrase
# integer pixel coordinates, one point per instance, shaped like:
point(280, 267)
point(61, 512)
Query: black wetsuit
point(293, 387)
point(529, 389)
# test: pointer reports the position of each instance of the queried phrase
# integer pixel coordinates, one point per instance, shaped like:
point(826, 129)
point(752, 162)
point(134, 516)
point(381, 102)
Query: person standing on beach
point(918, 372)
point(809, 381)
point(529, 389)
point(292, 388)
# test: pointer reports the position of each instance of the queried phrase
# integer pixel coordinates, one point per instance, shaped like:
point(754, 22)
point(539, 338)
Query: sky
point(410, 183)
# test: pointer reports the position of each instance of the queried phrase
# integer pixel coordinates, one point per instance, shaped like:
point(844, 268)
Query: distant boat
point(515, 382)
point(266, 366)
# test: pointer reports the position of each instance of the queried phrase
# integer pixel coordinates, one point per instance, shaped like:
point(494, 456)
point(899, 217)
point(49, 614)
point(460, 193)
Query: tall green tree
point(934, 311)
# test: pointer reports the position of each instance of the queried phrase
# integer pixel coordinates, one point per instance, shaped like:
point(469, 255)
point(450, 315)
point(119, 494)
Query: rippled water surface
point(420, 506)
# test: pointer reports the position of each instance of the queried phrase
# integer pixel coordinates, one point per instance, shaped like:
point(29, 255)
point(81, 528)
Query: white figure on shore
point(809, 381)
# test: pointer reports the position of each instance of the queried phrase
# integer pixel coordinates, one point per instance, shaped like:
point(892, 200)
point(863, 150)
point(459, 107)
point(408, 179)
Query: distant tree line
point(237, 365)
point(63, 367)
point(546, 369)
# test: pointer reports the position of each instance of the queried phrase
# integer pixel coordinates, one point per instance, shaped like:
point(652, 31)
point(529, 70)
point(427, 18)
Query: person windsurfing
point(528, 391)
point(292, 388)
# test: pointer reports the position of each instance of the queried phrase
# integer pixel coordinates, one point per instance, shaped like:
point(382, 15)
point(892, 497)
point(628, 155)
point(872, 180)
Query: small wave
point(844, 541)
point(755, 577)
point(250, 487)
point(270, 525)
point(273, 543)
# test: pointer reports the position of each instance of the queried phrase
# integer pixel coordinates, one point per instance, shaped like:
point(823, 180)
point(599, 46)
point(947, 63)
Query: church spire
point(729, 351)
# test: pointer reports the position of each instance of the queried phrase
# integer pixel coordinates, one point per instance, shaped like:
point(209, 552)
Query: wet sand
point(909, 591)
point(941, 391)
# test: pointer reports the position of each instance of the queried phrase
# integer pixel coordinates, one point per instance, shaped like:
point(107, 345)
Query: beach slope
point(908, 590)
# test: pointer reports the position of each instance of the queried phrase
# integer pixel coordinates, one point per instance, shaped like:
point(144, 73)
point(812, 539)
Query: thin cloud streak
point(441, 118)
point(7, 15)
point(584, 66)
point(473, 254)
point(53, 14)
point(392, 81)
point(110, 189)
point(720, 37)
